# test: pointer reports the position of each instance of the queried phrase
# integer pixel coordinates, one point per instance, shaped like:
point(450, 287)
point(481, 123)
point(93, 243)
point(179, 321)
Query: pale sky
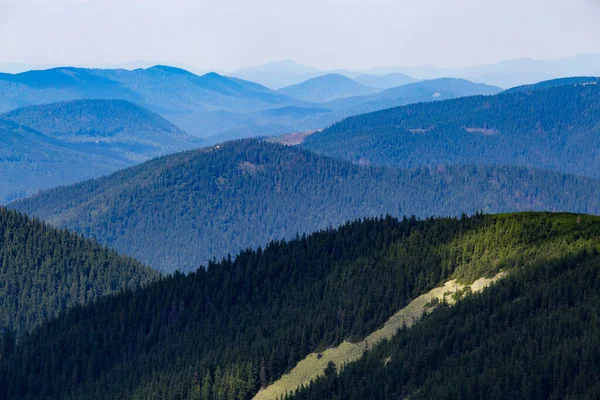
point(227, 34)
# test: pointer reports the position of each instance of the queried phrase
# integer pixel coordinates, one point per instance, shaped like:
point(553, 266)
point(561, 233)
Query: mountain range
point(200, 105)
point(424, 91)
point(353, 258)
point(211, 106)
point(505, 74)
point(387, 81)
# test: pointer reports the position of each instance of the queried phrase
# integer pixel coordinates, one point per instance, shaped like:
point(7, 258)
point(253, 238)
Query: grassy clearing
point(314, 365)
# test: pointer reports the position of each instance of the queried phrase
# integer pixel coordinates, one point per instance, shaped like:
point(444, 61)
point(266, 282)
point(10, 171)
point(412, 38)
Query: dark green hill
point(222, 332)
point(45, 271)
point(179, 211)
point(556, 128)
point(574, 81)
point(532, 336)
point(57, 144)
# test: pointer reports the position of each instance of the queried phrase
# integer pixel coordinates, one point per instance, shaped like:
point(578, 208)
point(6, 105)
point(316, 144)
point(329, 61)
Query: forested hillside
point(57, 144)
point(179, 211)
point(44, 271)
point(556, 128)
point(225, 331)
point(534, 335)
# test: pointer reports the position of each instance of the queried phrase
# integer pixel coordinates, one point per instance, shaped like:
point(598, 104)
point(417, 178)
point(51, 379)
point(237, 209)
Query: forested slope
point(534, 335)
point(44, 271)
point(223, 332)
point(179, 211)
point(556, 128)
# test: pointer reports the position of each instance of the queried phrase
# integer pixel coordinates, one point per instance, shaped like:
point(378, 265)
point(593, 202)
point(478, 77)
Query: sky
point(225, 35)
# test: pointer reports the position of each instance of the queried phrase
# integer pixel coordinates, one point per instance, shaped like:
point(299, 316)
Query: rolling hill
point(179, 211)
point(32, 161)
point(555, 128)
point(117, 127)
point(326, 88)
point(62, 143)
point(226, 331)
point(45, 271)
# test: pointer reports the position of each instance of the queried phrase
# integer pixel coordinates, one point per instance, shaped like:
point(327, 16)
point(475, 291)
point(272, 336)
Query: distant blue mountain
point(60, 143)
point(278, 74)
point(327, 88)
point(504, 74)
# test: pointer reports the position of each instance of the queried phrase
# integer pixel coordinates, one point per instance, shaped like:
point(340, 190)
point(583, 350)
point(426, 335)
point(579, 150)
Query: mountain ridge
point(225, 198)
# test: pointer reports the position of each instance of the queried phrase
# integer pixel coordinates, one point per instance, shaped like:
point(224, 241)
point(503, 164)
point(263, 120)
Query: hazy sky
point(227, 34)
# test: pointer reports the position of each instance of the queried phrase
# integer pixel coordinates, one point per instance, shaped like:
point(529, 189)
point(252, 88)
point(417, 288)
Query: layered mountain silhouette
point(210, 106)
